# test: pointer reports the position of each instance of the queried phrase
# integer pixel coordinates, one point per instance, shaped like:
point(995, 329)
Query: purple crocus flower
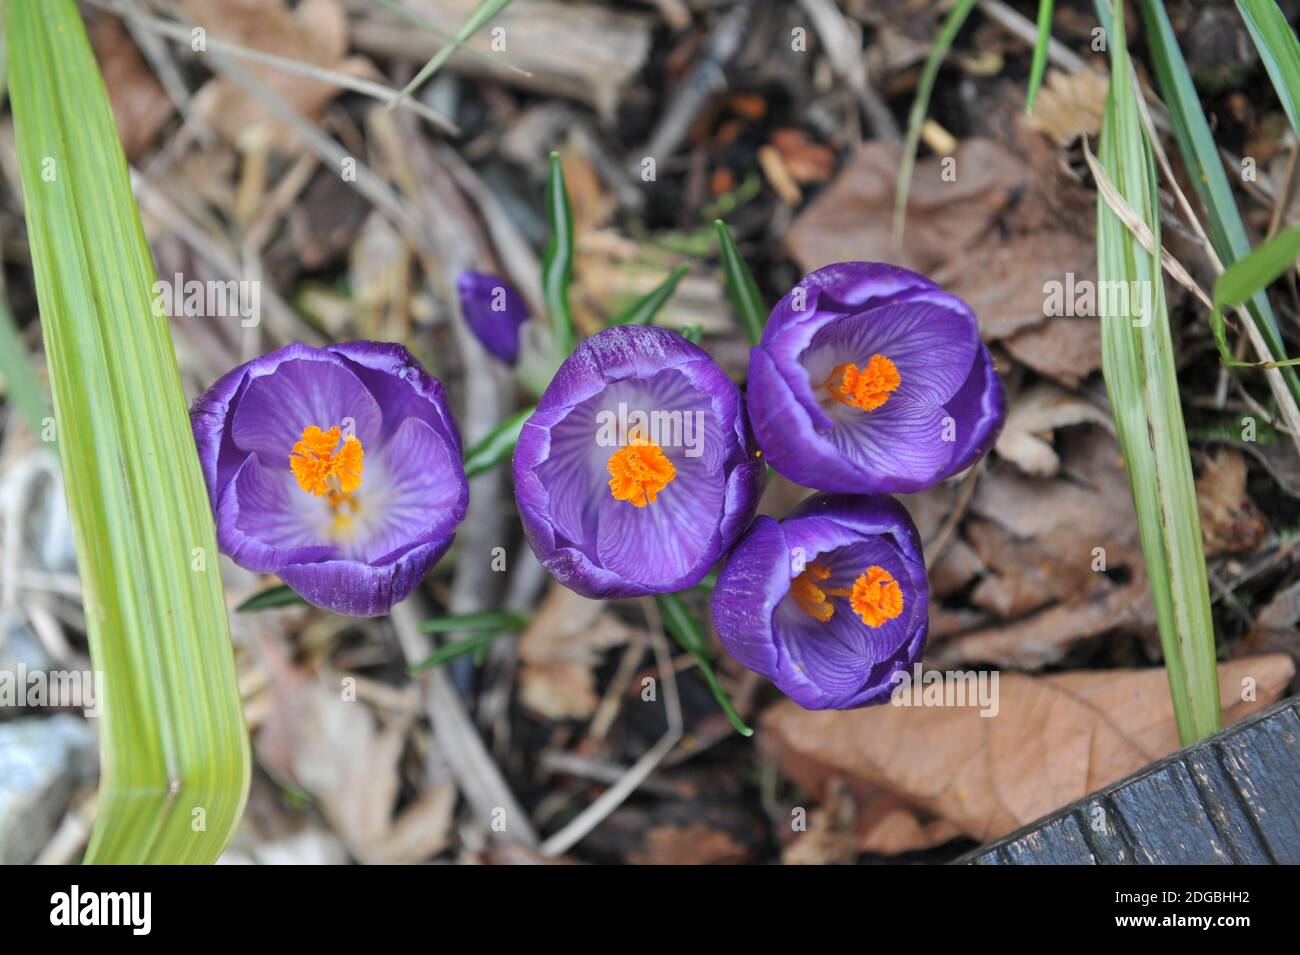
point(338, 469)
point(829, 603)
point(637, 471)
point(871, 378)
point(494, 311)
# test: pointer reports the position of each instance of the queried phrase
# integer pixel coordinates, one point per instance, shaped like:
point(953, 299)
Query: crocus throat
point(325, 467)
point(639, 471)
point(875, 596)
point(866, 388)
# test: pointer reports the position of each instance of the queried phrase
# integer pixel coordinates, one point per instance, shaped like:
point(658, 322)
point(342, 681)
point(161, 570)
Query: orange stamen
point(810, 598)
point(323, 467)
point(866, 388)
point(639, 471)
point(875, 596)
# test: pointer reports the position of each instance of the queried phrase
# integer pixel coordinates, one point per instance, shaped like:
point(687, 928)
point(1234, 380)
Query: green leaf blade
point(686, 630)
point(497, 445)
point(174, 749)
point(557, 262)
point(745, 297)
point(1039, 65)
point(644, 309)
point(1204, 167)
point(1138, 365)
point(1279, 49)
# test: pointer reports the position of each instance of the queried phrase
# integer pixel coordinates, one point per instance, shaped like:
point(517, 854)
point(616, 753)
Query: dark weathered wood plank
point(1104, 829)
point(1264, 763)
point(1224, 804)
point(1233, 798)
point(1166, 821)
point(1059, 842)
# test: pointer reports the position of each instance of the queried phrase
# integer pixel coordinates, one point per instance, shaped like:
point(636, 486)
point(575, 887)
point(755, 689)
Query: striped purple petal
point(604, 546)
point(840, 662)
point(351, 551)
point(494, 311)
point(943, 410)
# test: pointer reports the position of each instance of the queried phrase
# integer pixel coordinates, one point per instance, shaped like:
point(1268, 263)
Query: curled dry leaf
point(558, 651)
point(314, 32)
point(351, 768)
point(952, 204)
point(1067, 350)
point(1070, 105)
point(1275, 629)
point(1053, 740)
point(140, 106)
point(1061, 560)
point(1026, 438)
point(1230, 520)
point(1019, 284)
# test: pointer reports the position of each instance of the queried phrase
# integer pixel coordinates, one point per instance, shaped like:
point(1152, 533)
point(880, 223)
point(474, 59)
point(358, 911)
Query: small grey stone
point(42, 762)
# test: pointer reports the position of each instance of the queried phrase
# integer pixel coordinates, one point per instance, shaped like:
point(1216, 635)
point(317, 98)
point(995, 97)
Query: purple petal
point(494, 312)
point(930, 337)
point(275, 409)
point(363, 590)
point(978, 411)
point(842, 663)
point(415, 492)
point(851, 311)
point(264, 521)
point(602, 547)
point(401, 386)
point(839, 289)
point(751, 585)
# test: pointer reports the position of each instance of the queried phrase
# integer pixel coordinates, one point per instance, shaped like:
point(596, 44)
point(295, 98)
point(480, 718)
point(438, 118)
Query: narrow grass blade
point(1205, 169)
point(489, 625)
point(1039, 65)
point(472, 644)
point(557, 263)
point(1279, 49)
point(423, 22)
point(497, 445)
point(487, 620)
point(745, 297)
point(271, 599)
point(686, 630)
point(1245, 278)
point(483, 13)
point(1138, 364)
point(174, 750)
point(920, 104)
point(644, 309)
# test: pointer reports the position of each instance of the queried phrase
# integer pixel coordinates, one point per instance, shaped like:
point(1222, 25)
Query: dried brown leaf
point(1230, 520)
point(950, 207)
point(560, 648)
point(140, 106)
point(1026, 438)
point(1054, 739)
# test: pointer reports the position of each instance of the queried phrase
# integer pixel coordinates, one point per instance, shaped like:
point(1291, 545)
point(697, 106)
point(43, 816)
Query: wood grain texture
point(1231, 799)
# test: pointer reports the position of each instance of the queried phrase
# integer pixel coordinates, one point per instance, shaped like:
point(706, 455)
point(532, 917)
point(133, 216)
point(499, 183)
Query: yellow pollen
point(866, 388)
point(876, 596)
point(324, 468)
point(639, 471)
